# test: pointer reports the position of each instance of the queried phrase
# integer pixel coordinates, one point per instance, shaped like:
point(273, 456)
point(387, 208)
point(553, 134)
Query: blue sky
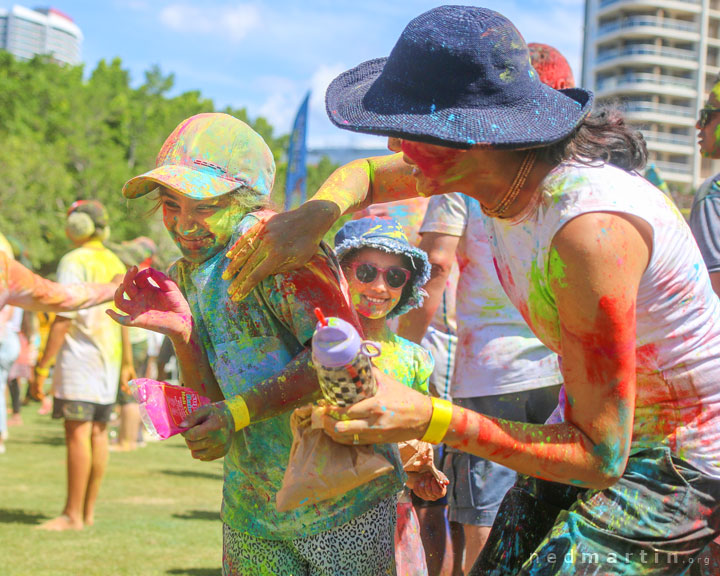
point(264, 55)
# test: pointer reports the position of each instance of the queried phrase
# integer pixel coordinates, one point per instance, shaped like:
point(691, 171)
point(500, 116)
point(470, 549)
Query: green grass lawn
point(157, 513)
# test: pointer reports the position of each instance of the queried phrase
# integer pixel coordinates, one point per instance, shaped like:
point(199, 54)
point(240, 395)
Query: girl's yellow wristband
point(42, 371)
point(239, 411)
point(439, 422)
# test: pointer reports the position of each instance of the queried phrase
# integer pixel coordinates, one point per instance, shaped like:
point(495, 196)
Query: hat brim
point(355, 101)
point(186, 181)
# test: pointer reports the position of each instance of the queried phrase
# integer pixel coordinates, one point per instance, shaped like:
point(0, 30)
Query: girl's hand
point(153, 302)
point(278, 243)
point(394, 414)
point(209, 431)
point(427, 486)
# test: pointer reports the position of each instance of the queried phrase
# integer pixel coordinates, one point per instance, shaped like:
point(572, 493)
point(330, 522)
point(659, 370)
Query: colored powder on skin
point(342, 187)
point(432, 161)
point(211, 222)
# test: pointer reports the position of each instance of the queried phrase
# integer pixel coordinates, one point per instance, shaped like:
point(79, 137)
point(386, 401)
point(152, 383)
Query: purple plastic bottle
point(342, 361)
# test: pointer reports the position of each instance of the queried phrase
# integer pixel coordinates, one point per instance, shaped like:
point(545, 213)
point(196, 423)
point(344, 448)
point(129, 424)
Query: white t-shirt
point(88, 364)
point(496, 352)
point(678, 314)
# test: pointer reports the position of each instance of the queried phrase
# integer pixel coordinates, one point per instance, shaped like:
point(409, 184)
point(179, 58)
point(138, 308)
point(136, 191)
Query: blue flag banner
point(296, 180)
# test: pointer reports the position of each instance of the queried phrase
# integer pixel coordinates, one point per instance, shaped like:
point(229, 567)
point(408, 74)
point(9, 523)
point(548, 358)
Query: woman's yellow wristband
point(239, 411)
point(45, 372)
point(439, 421)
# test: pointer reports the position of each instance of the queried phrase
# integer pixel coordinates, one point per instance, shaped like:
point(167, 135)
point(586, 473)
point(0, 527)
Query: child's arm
point(160, 306)
point(427, 485)
point(292, 298)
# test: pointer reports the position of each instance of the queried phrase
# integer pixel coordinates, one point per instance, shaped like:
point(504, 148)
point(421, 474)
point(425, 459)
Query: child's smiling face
point(377, 298)
point(200, 228)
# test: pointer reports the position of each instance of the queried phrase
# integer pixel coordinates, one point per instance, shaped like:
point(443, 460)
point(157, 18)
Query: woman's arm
point(597, 261)
point(287, 241)
point(29, 291)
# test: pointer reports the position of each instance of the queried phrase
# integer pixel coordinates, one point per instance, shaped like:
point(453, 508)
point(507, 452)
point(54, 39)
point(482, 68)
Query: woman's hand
point(278, 243)
point(210, 431)
point(153, 302)
point(394, 414)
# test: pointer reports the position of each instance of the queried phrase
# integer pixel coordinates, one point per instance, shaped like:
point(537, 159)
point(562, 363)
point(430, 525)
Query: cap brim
point(356, 101)
point(186, 181)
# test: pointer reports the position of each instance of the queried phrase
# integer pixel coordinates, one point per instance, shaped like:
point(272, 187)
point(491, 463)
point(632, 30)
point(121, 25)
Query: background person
point(93, 355)
point(705, 213)
point(20, 288)
point(705, 225)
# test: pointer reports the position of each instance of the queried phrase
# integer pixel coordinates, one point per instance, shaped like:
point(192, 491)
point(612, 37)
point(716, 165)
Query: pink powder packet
point(163, 406)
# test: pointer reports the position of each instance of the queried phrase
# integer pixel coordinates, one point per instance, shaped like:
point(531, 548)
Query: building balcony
point(646, 24)
point(646, 50)
point(674, 171)
point(687, 6)
point(664, 109)
point(671, 143)
point(626, 85)
point(640, 113)
point(647, 54)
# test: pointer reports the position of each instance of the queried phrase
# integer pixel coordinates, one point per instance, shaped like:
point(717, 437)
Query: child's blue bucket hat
point(459, 76)
point(386, 234)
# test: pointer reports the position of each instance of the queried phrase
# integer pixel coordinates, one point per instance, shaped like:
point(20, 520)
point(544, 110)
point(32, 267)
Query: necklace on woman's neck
point(520, 178)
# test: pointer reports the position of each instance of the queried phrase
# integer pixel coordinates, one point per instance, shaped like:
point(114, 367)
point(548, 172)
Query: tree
point(65, 138)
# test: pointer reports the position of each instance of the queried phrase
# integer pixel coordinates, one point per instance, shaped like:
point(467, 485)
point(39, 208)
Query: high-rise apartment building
point(658, 58)
point(25, 33)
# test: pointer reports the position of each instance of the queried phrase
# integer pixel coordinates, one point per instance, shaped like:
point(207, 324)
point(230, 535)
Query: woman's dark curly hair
point(603, 137)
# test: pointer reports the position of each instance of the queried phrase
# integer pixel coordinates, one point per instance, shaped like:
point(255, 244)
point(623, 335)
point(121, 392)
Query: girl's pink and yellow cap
point(209, 155)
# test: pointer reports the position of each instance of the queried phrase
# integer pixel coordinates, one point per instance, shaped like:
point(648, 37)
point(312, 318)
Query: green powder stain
point(541, 301)
point(556, 269)
point(716, 90)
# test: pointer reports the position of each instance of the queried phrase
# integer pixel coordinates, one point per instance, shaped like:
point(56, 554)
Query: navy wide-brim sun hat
point(459, 76)
point(387, 235)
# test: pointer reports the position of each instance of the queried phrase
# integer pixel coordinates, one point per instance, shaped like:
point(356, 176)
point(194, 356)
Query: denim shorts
point(655, 520)
point(477, 486)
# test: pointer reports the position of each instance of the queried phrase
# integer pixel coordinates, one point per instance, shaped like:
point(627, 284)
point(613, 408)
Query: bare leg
point(129, 426)
point(457, 537)
point(78, 471)
point(100, 449)
point(475, 539)
point(14, 388)
point(436, 540)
